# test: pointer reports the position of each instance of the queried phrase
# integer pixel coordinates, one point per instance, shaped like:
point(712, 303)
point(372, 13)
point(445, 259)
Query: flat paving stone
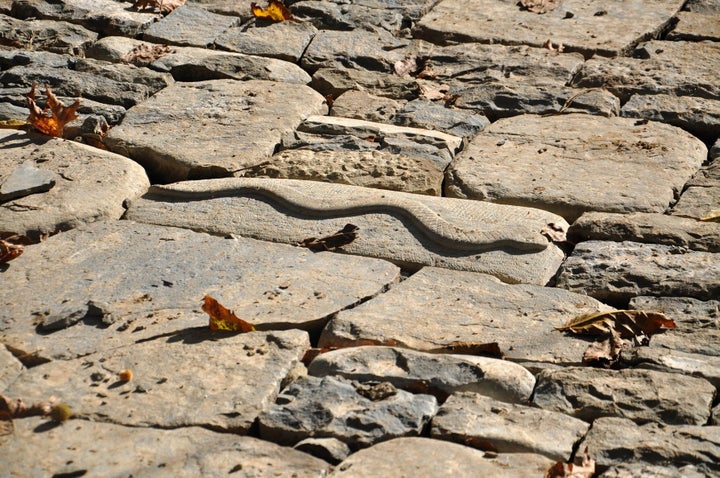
point(337, 408)
point(89, 184)
point(336, 81)
point(283, 40)
point(409, 229)
point(224, 7)
point(674, 361)
point(617, 441)
point(699, 116)
point(235, 124)
point(103, 288)
point(640, 395)
point(437, 374)
point(614, 272)
point(647, 228)
point(569, 164)
point(610, 33)
point(193, 377)
point(81, 447)
point(697, 324)
point(658, 67)
point(696, 26)
point(702, 193)
point(426, 114)
point(359, 104)
point(468, 307)
point(389, 15)
point(414, 456)
point(373, 169)
point(10, 368)
point(491, 425)
point(657, 471)
point(189, 25)
point(50, 35)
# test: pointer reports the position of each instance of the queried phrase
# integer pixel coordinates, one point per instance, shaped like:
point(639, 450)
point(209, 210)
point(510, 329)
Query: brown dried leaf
point(333, 242)
point(554, 232)
point(539, 6)
point(224, 319)
point(11, 246)
point(16, 408)
point(145, 53)
point(606, 353)
point(276, 11)
point(54, 117)
point(629, 324)
point(406, 67)
point(549, 45)
point(160, 6)
point(586, 468)
point(489, 349)
point(434, 92)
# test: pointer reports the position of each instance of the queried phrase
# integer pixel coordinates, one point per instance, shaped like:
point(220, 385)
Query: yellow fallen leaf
point(275, 11)
point(223, 319)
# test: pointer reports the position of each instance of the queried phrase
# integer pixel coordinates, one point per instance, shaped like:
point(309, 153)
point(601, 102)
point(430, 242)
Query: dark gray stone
point(357, 49)
point(426, 114)
point(336, 81)
point(284, 40)
point(640, 395)
point(331, 407)
point(699, 116)
point(656, 358)
point(26, 180)
point(389, 15)
point(50, 35)
point(189, 26)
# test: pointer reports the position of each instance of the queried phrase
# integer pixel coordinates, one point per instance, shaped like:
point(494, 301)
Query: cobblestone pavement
point(466, 176)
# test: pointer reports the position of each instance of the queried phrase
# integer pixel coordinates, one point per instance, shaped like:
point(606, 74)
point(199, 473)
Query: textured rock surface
point(576, 163)
point(640, 395)
point(359, 104)
point(82, 447)
point(331, 407)
point(461, 306)
point(50, 35)
point(618, 441)
point(696, 26)
point(617, 271)
point(90, 184)
point(488, 424)
point(427, 457)
point(703, 191)
point(437, 374)
point(10, 368)
point(285, 40)
point(189, 26)
point(699, 116)
point(154, 133)
point(655, 358)
point(408, 229)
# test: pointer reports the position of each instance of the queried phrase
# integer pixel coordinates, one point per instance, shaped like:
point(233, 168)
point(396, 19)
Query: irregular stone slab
point(389, 15)
point(189, 26)
point(611, 33)
point(437, 374)
point(618, 441)
point(657, 471)
point(331, 407)
point(657, 67)
point(422, 113)
point(225, 7)
point(357, 49)
point(57, 37)
point(415, 456)
point(107, 17)
point(695, 26)
point(614, 272)
point(703, 6)
point(359, 104)
point(699, 116)
point(336, 81)
point(89, 306)
point(569, 164)
point(647, 228)
point(487, 424)
point(283, 40)
point(10, 368)
point(373, 169)
point(104, 449)
point(673, 361)
point(190, 378)
point(154, 133)
point(331, 450)
point(697, 324)
point(702, 194)
point(463, 306)
point(90, 184)
point(409, 229)
point(640, 395)
point(24, 181)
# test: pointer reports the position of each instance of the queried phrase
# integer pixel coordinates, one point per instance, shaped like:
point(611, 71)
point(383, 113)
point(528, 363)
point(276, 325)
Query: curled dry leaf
point(224, 319)
point(276, 11)
point(549, 45)
point(11, 246)
point(160, 6)
point(145, 53)
point(586, 468)
point(539, 6)
point(54, 117)
point(629, 324)
point(554, 232)
point(333, 242)
point(604, 353)
point(16, 408)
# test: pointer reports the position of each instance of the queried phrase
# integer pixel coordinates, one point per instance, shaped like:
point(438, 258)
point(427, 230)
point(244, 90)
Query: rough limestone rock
point(82, 447)
point(89, 184)
point(674, 361)
point(336, 81)
point(569, 164)
point(331, 450)
point(283, 40)
point(615, 272)
point(154, 133)
point(426, 114)
point(696, 26)
point(225, 7)
point(696, 322)
point(24, 181)
point(467, 307)
point(389, 15)
point(374, 169)
point(657, 67)
point(617, 441)
point(699, 116)
point(352, 49)
point(438, 374)
point(189, 25)
point(625, 470)
point(49, 35)
point(647, 228)
point(111, 284)
point(409, 229)
point(487, 424)
point(640, 395)
point(359, 104)
point(10, 368)
point(587, 26)
point(435, 458)
point(193, 377)
point(107, 17)
point(702, 193)
point(336, 408)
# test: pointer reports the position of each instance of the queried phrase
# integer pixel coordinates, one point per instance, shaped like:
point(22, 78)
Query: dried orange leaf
point(586, 468)
point(144, 54)
point(54, 117)
point(275, 11)
point(11, 246)
point(223, 319)
point(628, 323)
point(161, 6)
point(539, 6)
point(605, 353)
point(333, 242)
